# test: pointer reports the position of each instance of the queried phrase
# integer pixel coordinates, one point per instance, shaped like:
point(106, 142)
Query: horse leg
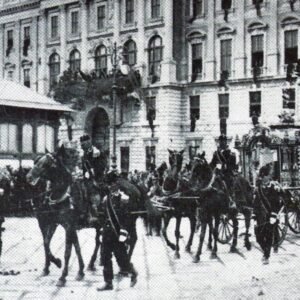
point(235, 224)
point(177, 235)
point(193, 222)
point(202, 236)
point(75, 241)
point(157, 224)
point(215, 233)
point(167, 219)
point(247, 214)
point(91, 266)
point(69, 242)
point(46, 240)
point(210, 234)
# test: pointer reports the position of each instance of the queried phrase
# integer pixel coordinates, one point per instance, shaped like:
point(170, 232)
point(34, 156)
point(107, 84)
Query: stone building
point(205, 65)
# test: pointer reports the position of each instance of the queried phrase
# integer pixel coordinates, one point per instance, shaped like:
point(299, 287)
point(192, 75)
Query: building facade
point(206, 66)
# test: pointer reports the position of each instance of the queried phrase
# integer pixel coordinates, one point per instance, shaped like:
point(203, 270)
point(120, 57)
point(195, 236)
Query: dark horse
point(57, 209)
point(179, 208)
point(65, 190)
point(240, 190)
point(212, 201)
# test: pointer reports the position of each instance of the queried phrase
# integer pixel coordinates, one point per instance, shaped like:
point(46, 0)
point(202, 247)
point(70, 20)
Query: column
point(2, 51)
point(168, 66)
point(141, 53)
point(63, 39)
point(116, 24)
point(84, 35)
point(240, 57)
point(211, 55)
point(17, 46)
point(41, 49)
point(33, 42)
point(272, 40)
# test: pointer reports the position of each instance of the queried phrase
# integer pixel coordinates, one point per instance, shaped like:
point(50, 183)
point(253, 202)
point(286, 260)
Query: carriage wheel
point(225, 230)
point(294, 219)
point(281, 228)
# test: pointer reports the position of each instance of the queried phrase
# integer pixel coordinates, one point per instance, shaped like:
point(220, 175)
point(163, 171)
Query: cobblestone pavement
point(231, 276)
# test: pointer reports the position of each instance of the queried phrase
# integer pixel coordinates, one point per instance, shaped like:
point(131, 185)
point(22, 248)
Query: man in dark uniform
point(227, 161)
point(115, 234)
point(93, 167)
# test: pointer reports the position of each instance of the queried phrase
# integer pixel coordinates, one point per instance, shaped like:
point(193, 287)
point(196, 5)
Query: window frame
point(130, 55)
point(26, 77)
point(125, 164)
point(74, 22)
point(223, 107)
point(150, 151)
point(296, 30)
point(54, 27)
point(155, 9)
point(293, 100)
point(225, 56)
point(129, 11)
point(194, 109)
point(101, 17)
point(11, 140)
point(254, 104)
point(54, 69)
point(75, 62)
point(153, 50)
point(150, 102)
point(99, 61)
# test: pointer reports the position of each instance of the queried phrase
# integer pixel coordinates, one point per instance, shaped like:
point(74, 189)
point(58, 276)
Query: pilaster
point(211, 55)
point(2, 51)
point(63, 39)
point(42, 58)
point(84, 35)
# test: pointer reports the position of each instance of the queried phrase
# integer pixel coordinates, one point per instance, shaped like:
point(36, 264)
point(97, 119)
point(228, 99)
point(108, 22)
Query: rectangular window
point(151, 108)
point(290, 46)
point(124, 159)
point(8, 137)
point(196, 61)
point(74, 22)
point(255, 103)
point(155, 9)
point(223, 106)
point(197, 8)
point(10, 39)
point(45, 138)
point(257, 50)
point(288, 97)
point(54, 27)
point(27, 32)
point(129, 17)
point(101, 17)
point(150, 157)
point(26, 75)
point(193, 152)
point(226, 53)
point(195, 107)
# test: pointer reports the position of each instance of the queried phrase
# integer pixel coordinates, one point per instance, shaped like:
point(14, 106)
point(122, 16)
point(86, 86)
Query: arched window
point(45, 138)
point(54, 68)
point(27, 134)
point(101, 61)
point(75, 60)
point(129, 53)
point(155, 56)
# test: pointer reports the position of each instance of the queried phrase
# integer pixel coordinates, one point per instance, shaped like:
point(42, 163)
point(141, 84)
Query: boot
point(108, 286)
point(134, 275)
point(93, 219)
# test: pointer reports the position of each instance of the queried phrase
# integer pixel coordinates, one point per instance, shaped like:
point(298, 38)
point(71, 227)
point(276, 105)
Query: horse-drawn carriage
point(278, 147)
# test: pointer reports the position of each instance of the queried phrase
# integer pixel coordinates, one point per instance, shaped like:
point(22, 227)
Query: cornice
point(19, 8)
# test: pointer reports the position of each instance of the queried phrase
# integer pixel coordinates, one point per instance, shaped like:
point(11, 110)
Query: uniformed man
point(114, 236)
point(93, 167)
point(225, 160)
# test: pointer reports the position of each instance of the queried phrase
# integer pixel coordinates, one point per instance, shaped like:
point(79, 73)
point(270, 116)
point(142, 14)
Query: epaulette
point(96, 152)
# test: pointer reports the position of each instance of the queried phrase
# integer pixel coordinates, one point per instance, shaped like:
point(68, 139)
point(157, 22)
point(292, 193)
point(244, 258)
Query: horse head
point(176, 159)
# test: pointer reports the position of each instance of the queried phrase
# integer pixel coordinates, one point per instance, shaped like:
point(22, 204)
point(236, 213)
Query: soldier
point(115, 234)
point(227, 161)
point(93, 167)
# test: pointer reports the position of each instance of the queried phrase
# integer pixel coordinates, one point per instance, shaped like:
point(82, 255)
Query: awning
point(16, 95)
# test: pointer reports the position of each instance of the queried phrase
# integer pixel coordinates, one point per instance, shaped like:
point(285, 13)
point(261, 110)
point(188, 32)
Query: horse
point(172, 183)
point(57, 210)
point(212, 201)
point(238, 188)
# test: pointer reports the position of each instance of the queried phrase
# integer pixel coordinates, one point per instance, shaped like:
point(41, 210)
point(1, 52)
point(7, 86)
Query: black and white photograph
point(149, 149)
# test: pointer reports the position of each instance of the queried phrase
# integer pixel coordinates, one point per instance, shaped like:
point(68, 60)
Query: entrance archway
point(97, 126)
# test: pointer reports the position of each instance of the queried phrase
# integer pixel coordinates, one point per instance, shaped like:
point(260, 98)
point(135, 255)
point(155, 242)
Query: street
point(231, 276)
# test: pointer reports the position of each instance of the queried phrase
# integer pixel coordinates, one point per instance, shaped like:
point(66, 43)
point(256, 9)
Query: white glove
point(123, 235)
point(124, 196)
point(273, 218)
point(219, 166)
point(87, 175)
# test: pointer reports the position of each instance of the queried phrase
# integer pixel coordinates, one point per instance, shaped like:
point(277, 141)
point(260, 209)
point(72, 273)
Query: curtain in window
point(8, 137)
point(27, 133)
point(45, 138)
